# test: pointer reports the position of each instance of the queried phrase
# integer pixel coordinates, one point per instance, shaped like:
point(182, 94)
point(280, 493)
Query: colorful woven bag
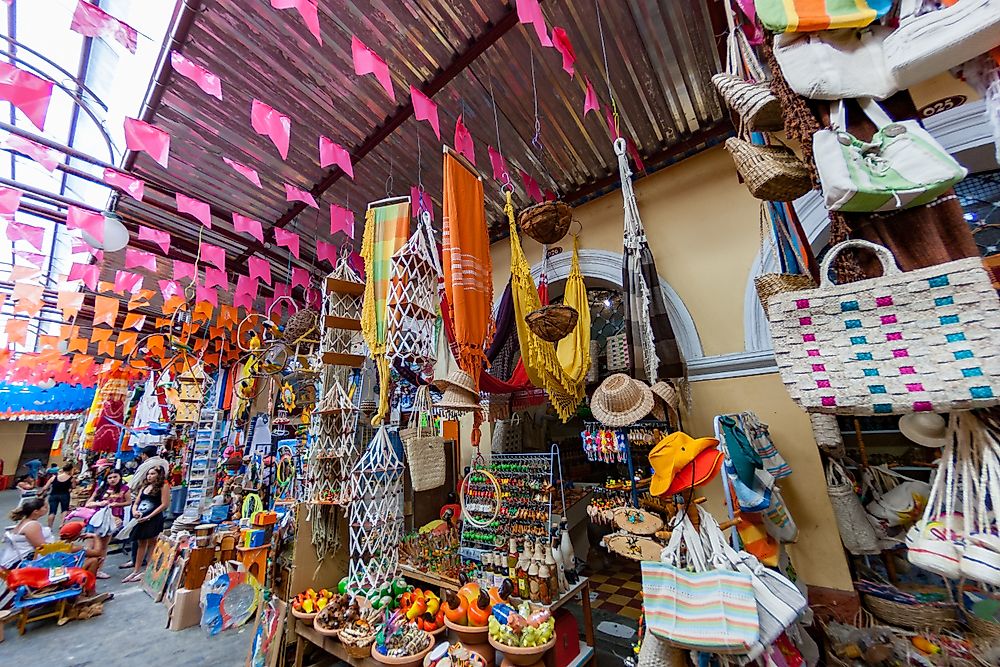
point(696, 603)
point(919, 341)
point(811, 15)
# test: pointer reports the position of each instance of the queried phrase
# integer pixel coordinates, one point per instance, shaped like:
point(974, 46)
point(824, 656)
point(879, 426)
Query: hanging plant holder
point(547, 222)
point(552, 323)
point(412, 301)
point(341, 342)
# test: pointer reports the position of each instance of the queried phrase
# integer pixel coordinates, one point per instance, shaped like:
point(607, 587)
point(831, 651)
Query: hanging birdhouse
point(341, 342)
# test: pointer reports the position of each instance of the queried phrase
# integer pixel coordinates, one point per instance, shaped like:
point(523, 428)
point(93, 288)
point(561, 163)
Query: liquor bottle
point(568, 557)
point(523, 590)
point(534, 589)
point(544, 583)
point(512, 559)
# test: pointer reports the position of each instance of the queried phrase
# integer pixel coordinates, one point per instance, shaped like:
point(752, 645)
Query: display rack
point(627, 457)
point(202, 462)
point(540, 472)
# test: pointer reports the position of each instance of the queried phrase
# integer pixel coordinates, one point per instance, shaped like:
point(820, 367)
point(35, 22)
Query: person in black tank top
point(58, 489)
point(151, 501)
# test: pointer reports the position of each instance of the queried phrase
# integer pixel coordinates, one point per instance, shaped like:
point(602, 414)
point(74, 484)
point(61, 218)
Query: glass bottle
point(553, 572)
point(544, 584)
point(512, 559)
point(523, 590)
point(534, 589)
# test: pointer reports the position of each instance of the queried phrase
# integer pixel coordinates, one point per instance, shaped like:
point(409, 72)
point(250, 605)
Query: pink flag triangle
point(421, 201)
point(326, 251)
point(208, 82)
point(241, 223)
point(140, 136)
point(20, 231)
point(183, 270)
point(260, 268)
point(424, 108)
point(130, 185)
point(127, 282)
point(196, 208)
point(273, 125)
point(367, 62)
point(246, 172)
point(43, 155)
point(140, 259)
point(332, 153)
point(27, 92)
point(531, 185)
point(590, 102)
point(90, 222)
point(529, 12)
point(293, 193)
point(205, 294)
point(245, 293)
point(10, 199)
point(499, 165)
point(307, 9)
point(463, 140)
point(216, 278)
point(88, 273)
point(560, 40)
point(31, 257)
point(341, 220)
point(300, 277)
point(156, 236)
point(170, 288)
point(91, 21)
point(288, 240)
point(214, 255)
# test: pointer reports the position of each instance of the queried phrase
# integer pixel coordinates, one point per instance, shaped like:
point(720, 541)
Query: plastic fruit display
point(456, 609)
point(524, 628)
point(400, 642)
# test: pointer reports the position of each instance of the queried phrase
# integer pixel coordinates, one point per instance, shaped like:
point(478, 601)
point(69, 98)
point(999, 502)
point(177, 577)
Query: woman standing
point(151, 502)
point(58, 488)
point(114, 494)
point(21, 540)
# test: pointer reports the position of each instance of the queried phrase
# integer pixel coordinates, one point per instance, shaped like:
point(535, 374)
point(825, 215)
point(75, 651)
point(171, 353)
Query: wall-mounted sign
point(944, 104)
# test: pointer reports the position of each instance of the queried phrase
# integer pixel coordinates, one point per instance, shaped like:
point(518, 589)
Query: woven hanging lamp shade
point(547, 222)
point(552, 323)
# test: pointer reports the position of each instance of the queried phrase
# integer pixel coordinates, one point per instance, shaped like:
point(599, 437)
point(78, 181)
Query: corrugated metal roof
point(661, 54)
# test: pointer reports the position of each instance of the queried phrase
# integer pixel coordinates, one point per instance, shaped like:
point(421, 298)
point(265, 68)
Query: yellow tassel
point(369, 322)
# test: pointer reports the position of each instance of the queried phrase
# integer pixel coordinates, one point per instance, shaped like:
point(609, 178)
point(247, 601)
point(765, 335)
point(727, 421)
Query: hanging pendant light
point(115, 235)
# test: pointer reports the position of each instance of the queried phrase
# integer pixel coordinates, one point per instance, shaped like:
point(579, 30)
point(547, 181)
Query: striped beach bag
point(809, 15)
point(693, 602)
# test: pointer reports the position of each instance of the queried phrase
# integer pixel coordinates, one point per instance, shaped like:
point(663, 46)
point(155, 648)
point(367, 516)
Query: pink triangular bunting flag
point(170, 288)
point(499, 165)
point(367, 62)
point(43, 155)
point(421, 201)
point(300, 277)
point(133, 187)
point(183, 270)
point(90, 222)
point(560, 40)
point(463, 140)
point(10, 199)
point(590, 102)
point(141, 136)
point(196, 208)
point(205, 294)
point(272, 124)
point(326, 251)
point(307, 9)
point(19, 231)
point(333, 153)
point(424, 108)
point(341, 220)
point(140, 259)
point(27, 92)
point(88, 273)
point(246, 172)
point(242, 223)
point(127, 282)
point(216, 278)
point(206, 80)
point(91, 21)
point(245, 293)
point(214, 255)
point(260, 269)
point(288, 240)
point(156, 236)
point(293, 193)
point(531, 186)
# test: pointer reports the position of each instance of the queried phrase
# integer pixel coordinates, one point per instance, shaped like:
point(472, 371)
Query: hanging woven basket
point(300, 325)
point(546, 222)
point(770, 284)
point(552, 323)
point(756, 105)
point(771, 173)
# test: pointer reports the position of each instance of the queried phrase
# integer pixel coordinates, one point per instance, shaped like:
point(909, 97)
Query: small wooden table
point(305, 632)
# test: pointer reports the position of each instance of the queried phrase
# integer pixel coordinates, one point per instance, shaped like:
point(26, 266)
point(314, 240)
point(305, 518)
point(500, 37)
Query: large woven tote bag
point(424, 448)
point(918, 341)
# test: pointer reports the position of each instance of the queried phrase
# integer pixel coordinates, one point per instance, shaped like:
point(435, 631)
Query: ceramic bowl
point(528, 655)
point(467, 634)
point(414, 660)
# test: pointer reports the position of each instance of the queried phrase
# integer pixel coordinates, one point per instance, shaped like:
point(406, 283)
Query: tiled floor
point(617, 589)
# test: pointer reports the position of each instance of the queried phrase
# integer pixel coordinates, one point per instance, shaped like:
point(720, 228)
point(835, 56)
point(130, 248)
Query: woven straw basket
point(655, 652)
point(771, 173)
point(546, 222)
point(937, 615)
point(300, 325)
point(754, 102)
point(770, 284)
point(552, 323)
point(982, 627)
point(425, 456)
point(826, 431)
point(359, 649)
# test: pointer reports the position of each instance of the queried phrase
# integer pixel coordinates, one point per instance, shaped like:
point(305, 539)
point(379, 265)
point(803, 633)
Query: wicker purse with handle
point(770, 284)
point(743, 85)
point(771, 173)
point(424, 448)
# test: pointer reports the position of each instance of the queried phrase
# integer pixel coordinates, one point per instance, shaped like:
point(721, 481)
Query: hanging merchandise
point(743, 86)
point(335, 418)
point(918, 341)
point(376, 515)
point(459, 395)
point(341, 341)
point(810, 16)
point(651, 341)
point(559, 369)
point(771, 173)
point(424, 447)
point(671, 455)
point(413, 299)
point(697, 578)
point(927, 43)
point(897, 500)
point(836, 64)
point(621, 400)
point(902, 166)
point(387, 224)
point(547, 222)
point(826, 431)
point(856, 531)
point(468, 270)
point(769, 284)
point(981, 555)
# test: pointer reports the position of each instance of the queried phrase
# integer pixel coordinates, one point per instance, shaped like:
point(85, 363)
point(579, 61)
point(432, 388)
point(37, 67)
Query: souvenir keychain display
point(620, 445)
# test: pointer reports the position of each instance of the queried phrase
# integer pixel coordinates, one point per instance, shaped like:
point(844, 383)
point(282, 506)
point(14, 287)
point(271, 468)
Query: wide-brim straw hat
point(666, 397)
point(459, 392)
point(636, 521)
point(621, 400)
point(924, 428)
point(457, 378)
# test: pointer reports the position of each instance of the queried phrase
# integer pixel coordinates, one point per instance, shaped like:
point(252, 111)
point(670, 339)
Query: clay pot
point(405, 661)
point(304, 616)
point(529, 655)
point(467, 634)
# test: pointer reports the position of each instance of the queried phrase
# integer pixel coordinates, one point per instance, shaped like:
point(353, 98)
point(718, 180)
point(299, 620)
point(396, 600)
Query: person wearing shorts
point(58, 489)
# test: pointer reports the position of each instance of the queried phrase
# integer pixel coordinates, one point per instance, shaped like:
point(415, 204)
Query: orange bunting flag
point(140, 299)
point(172, 304)
point(106, 286)
point(48, 343)
point(17, 331)
point(106, 348)
point(77, 344)
point(67, 331)
point(155, 346)
point(69, 302)
point(100, 335)
point(216, 333)
point(134, 321)
point(202, 312)
point(30, 307)
point(127, 341)
point(200, 345)
point(228, 316)
point(27, 291)
point(105, 310)
point(19, 272)
point(161, 322)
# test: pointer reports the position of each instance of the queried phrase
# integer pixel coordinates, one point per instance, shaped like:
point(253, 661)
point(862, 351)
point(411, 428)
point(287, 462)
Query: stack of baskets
point(915, 607)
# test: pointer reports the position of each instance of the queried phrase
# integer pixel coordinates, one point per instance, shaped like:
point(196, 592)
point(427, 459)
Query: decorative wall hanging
point(919, 341)
point(413, 298)
point(560, 370)
point(376, 514)
point(334, 418)
point(387, 225)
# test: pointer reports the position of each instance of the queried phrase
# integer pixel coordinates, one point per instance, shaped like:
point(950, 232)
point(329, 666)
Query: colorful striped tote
point(698, 607)
point(812, 15)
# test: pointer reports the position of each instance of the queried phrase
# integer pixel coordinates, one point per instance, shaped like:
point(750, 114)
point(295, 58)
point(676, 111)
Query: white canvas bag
point(836, 64)
point(927, 44)
point(901, 166)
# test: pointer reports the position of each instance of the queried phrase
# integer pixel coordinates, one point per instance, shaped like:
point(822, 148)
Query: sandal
point(127, 566)
point(101, 574)
point(135, 576)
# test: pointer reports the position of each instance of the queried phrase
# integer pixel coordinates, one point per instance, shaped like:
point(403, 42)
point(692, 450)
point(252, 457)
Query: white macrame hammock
point(412, 301)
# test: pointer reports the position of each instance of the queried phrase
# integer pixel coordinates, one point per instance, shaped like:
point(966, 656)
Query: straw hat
point(637, 522)
point(633, 546)
point(666, 396)
point(621, 400)
point(459, 392)
point(924, 428)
